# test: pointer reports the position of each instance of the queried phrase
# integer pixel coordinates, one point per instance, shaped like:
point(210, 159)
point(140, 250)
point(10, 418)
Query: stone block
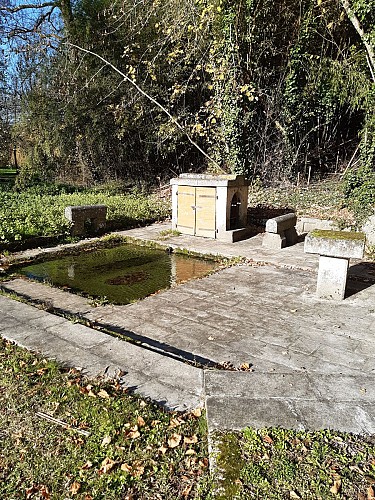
point(340, 244)
point(280, 224)
point(332, 276)
point(307, 224)
point(274, 241)
point(86, 219)
point(369, 230)
point(280, 231)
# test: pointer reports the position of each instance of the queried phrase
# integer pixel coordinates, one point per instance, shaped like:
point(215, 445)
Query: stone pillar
point(335, 248)
point(332, 276)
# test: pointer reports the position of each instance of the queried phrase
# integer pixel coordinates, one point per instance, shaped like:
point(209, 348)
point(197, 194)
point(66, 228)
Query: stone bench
point(280, 231)
point(86, 219)
point(334, 248)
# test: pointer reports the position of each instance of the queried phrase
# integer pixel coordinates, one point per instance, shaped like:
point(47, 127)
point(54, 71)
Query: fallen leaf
point(103, 394)
point(174, 440)
point(133, 433)
point(370, 493)
point(44, 491)
point(293, 494)
point(75, 487)
point(107, 465)
point(126, 468)
point(142, 404)
point(186, 491)
point(190, 452)
point(197, 412)
point(203, 463)
point(106, 440)
point(154, 423)
point(163, 450)
point(86, 466)
point(267, 439)
point(30, 491)
point(141, 422)
point(190, 440)
point(138, 470)
point(175, 422)
point(336, 485)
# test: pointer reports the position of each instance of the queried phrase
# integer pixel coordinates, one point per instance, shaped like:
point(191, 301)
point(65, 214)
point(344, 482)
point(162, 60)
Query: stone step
point(293, 401)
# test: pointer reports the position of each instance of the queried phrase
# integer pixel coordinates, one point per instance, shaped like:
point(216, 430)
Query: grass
point(134, 449)
point(277, 464)
point(7, 171)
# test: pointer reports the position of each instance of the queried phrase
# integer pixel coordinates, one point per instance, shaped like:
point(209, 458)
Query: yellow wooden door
point(205, 212)
point(186, 210)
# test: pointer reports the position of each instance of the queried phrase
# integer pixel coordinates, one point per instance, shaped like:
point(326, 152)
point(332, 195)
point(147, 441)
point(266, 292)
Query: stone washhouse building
point(212, 206)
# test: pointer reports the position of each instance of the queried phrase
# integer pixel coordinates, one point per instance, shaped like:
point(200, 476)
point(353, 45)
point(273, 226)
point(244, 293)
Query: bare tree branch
point(14, 10)
point(357, 26)
point(150, 98)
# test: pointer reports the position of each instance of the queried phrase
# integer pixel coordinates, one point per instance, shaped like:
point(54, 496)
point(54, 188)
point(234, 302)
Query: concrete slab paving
point(312, 360)
point(298, 401)
point(175, 384)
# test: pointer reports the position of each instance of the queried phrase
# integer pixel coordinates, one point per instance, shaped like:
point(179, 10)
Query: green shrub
point(359, 191)
point(39, 210)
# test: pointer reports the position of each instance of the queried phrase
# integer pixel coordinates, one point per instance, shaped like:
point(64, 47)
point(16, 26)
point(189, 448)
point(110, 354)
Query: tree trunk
point(365, 39)
point(67, 15)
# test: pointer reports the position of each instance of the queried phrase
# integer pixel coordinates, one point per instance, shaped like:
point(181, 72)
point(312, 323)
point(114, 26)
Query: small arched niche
point(234, 218)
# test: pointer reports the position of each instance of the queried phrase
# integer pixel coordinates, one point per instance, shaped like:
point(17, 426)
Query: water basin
point(122, 274)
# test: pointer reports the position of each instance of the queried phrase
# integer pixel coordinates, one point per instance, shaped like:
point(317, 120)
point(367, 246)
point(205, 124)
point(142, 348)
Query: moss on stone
point(229, 463)
point(337, 235)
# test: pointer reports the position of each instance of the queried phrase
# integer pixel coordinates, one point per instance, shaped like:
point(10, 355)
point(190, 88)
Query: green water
point(120, 275)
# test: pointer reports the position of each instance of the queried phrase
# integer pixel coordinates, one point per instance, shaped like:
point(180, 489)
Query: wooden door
point(186, 210)
point(205, 212)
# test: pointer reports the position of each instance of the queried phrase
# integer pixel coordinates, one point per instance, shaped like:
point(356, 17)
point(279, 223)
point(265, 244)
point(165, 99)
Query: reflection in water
point(128, 279)
point(122, 274)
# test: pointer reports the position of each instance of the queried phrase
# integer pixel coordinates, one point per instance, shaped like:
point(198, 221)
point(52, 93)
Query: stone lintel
point(340, 244)
point(280, 224)
point(332, 276)
point(206, 180)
